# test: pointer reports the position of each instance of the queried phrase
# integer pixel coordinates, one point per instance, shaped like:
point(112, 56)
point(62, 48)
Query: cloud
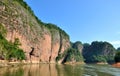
point(116, 43)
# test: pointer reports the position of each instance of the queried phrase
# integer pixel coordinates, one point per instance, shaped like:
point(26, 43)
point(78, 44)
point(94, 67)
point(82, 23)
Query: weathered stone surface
point(21, 24)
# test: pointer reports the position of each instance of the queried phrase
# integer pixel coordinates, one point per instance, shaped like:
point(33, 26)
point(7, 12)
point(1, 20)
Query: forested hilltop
point(25, 37)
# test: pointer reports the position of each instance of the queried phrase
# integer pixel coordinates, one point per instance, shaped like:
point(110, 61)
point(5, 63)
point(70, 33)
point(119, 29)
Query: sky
point(83, 20)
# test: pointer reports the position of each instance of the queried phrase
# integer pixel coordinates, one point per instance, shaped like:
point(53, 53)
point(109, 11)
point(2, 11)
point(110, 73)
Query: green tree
point(99, 52)
point(73, 55)
point(117, 57)
point(9, 50)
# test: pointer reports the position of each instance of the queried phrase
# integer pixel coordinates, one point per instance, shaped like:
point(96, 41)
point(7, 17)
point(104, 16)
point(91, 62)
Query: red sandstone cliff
point(37, 40)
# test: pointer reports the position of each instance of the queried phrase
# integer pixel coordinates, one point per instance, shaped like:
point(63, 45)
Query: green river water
point(60, 70)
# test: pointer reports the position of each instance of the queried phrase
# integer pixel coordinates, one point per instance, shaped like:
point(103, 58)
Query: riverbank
point(117, 65)
point(102, 63)
point(74, 63)
point(5, 63)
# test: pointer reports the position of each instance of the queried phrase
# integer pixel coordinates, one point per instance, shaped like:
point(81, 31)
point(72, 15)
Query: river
point(60, 70)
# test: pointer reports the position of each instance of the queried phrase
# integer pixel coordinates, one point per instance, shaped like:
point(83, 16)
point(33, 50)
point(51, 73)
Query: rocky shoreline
point(117, 65)
point(5, 63)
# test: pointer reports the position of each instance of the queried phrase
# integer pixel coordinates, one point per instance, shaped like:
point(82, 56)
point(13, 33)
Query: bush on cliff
point(9, 50)
point(73, 55)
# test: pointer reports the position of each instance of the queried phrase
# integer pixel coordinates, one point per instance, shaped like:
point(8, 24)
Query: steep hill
point(41, 42)
point(99, 52)
point(24, 37)
point(74, 53)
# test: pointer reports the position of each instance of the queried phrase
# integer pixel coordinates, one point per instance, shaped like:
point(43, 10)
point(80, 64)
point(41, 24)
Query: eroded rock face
point(55, 46)
point(31, 34)
point(78, 45)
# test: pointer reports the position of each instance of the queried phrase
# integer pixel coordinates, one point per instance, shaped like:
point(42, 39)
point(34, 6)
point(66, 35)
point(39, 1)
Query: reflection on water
point(60, 70)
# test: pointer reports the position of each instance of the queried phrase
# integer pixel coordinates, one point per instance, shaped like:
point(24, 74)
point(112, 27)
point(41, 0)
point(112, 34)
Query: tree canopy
point(99, 52)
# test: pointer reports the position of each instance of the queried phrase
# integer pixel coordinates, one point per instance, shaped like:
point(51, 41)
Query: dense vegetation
point(53, 27)
point(117, 55)
point(72, 54)
point(23, 26)
point(50, 26)
point(77, 45)
point(99, 52)
point(96, 52)
point(9, 50)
